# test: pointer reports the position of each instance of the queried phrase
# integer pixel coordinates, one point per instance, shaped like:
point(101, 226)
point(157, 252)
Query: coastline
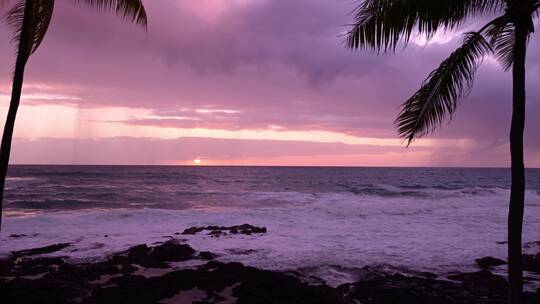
point(173, 272)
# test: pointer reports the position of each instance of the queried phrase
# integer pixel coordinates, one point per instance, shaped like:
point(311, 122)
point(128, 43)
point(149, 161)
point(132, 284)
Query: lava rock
point(171, 251)
point(193, 230)
point(207, 255)
point(218, 231)
point(531, 262)
point(40, 250)
point(487, 262)
point(17, 236)
point(138, 252)
point(482, 282)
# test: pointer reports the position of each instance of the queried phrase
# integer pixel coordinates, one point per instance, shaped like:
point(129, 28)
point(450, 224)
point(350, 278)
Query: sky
point(246, 82)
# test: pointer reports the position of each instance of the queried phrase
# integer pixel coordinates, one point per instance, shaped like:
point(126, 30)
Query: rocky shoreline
point(173, 272)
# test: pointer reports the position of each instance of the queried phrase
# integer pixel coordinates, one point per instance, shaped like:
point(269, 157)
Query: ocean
point(326, 222)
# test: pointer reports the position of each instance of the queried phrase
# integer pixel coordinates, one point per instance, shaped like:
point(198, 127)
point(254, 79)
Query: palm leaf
point(502, 36)
point(381, 24)
point(130, 9)
point(439, 93)
point(41, 15)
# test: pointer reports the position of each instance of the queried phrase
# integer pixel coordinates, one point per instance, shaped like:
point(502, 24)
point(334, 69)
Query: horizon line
point(268, 166)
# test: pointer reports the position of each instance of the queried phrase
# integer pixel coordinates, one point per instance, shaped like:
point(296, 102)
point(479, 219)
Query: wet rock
point(94, 271)
point(249, 285)
point(246, 228)
point(17, 236)
point(6, 267)
point(427, 275)
point(482, 282)
point(531, 262)
point(259, 286)
point(207, 255)
point(115, 281)
point(241, 251)
point(138, 289)
point(193, 230)
point(29, 267)
point(487, 262)
point(139, 251)
point(172, 251)
point(40, 250)
point(26, 291)
point(406, 290)
point(218, 231)
point(477, 288)
point(530, 245)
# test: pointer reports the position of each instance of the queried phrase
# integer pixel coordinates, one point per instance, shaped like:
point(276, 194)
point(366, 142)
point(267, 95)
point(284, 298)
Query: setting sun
point(197, 161)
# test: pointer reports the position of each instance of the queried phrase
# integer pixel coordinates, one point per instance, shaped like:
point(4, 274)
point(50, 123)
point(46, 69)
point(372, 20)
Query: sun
point(197, 161)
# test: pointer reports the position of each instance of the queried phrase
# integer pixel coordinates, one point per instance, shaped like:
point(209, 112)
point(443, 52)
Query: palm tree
point(30, 20)
point(382, 25)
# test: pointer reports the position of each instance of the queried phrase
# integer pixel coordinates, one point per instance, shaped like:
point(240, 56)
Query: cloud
point(260, 64)
point(215, 151)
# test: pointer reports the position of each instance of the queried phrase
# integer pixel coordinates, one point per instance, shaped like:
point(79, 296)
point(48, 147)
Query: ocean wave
point(425, 192)
point(58, 204)
point(20, 178)
point(383, 190)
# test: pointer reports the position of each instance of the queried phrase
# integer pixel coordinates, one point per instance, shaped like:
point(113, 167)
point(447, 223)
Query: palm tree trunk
point(22, 57)
point(517, 195)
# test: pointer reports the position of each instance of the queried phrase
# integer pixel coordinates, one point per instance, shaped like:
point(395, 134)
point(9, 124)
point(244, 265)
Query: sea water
point(327, 222)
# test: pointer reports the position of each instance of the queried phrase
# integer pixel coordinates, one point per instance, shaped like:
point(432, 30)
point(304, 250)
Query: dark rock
point(406, 290)
point(217, 231)
point(140, 255)
point(40, 250)
point(241, 252)
point(483, 282)
point(252, 229)
point(17, 236)
point(427, 275)
point(172, 251)
point(113, 266)
point(206, 255)
point(193, 230)
point(532, 244)
point(61, 282)
point(397, 288)
point(259, 286)
point(139, 251)
point(138, 289)
point(28, 267)
point(46, 291)
point(6, 267)
point(531, 262)
point(251, 286)
point(487, 262)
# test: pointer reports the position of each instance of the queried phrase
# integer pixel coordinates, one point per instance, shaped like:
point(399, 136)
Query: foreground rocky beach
point(173, 272)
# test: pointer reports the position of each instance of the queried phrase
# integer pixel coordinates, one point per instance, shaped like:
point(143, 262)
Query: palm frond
point(41, 15)
point(439, 93)
point(381, 24)
point(129, 9)
point(502, 36)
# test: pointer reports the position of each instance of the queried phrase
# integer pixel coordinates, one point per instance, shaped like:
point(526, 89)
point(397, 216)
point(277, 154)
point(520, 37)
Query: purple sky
point(264, 82)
